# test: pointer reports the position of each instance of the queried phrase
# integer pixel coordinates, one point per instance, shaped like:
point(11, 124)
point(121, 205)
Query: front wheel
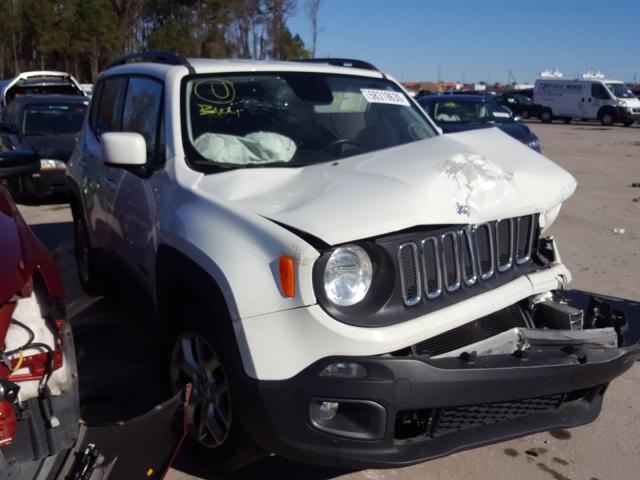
point(546, 116)
point(524, 114)
point(628, 123)
point(607, 118)
point(216, 433)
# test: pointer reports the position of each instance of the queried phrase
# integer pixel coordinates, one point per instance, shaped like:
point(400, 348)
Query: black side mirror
point(8, 127)
point(14, 163)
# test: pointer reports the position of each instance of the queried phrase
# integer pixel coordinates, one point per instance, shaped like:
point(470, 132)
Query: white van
point(609, 101)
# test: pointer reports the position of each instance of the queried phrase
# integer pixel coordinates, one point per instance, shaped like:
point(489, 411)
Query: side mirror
point(123, 149)
point(14, 163)
point(517, 118)
point(8, 127)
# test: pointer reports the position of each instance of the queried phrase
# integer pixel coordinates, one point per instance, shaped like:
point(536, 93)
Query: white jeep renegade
point(344, 284)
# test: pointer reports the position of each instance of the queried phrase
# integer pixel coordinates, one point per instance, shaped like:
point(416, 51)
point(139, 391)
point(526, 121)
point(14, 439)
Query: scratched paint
point(480, 182)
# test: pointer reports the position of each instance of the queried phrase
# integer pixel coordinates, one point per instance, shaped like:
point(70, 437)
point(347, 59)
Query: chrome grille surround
point(431, 267)
point(504, 248)
point(463, 257)
point(409, 264)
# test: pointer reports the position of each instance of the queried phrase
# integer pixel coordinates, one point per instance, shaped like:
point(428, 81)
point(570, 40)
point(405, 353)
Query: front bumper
point(412, 409)
point(626, 113)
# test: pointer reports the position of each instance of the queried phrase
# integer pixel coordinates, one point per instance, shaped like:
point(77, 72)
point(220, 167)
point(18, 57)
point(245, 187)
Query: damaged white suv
point(344, 284)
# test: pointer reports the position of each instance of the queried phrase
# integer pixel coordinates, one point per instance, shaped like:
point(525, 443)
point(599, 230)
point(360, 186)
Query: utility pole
point(464, 76)
point(439, 72)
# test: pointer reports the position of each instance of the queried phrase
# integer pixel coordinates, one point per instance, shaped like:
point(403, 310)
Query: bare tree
point(312, 7)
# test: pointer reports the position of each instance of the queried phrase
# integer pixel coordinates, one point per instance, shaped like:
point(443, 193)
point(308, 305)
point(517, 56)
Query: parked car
point(458, 113)
point(343, 285)
point(608, 101)
point(520, 105)
point(40, 432)
point(38, 83)
point(48, 125)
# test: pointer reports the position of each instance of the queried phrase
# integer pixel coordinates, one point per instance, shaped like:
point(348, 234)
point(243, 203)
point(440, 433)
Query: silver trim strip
point(466, 241)
point(418, 297)
point(456, 260)
point(527, 257)
point(436, 254)
point(488, 274)
point(509, 264)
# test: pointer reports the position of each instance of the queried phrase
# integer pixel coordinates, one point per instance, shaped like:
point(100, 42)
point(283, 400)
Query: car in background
point(521, 105)
point(46, 124)
point(458, 113)
point(39, 82)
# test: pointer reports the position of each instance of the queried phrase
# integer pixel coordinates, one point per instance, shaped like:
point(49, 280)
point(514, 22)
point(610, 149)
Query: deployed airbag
point(254, 148)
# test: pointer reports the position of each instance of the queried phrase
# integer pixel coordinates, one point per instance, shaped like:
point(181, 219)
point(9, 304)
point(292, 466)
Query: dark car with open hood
point(48, 125)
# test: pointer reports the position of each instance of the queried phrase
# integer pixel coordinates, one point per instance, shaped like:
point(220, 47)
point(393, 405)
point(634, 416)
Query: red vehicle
point(41, 435)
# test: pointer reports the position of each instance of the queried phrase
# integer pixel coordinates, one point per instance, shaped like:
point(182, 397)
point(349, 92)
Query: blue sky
point(480, 40)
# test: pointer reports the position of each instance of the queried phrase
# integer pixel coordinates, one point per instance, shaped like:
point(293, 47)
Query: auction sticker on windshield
point(384, 96)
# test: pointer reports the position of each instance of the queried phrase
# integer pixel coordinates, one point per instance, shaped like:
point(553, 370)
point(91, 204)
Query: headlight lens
point(535, 143)
point(347, 275)
point(47, 164)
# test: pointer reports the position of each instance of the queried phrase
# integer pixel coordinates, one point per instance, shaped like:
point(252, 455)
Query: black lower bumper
point(402, 403)
point(626, 114)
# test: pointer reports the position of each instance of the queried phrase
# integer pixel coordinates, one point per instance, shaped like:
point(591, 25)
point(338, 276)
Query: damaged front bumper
point(395, 411)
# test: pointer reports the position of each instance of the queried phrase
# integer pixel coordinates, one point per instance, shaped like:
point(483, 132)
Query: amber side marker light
point(287, 277)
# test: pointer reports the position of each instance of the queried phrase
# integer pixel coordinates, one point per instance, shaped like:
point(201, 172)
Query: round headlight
point(347, 275)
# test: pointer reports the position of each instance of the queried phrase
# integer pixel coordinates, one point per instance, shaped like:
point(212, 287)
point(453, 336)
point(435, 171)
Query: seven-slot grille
point(463, 255)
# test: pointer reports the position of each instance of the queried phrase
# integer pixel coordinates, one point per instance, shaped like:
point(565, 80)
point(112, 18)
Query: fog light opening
point(328, 410)
point(344, 370)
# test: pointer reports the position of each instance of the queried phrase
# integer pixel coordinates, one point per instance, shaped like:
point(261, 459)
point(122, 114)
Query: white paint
point(124, 148)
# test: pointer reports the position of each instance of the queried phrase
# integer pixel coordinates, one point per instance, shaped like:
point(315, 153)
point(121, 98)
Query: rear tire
point(546, 116)
point(91, 279)
point(198, 356)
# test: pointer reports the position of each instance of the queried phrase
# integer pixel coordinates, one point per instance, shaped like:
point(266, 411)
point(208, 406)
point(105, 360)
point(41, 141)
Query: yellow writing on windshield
point(211, 111)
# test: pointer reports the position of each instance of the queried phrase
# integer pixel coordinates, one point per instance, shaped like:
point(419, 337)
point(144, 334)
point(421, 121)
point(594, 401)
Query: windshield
point(461, 111)
point(293, 119)
point(620, 90)
point(53, 119)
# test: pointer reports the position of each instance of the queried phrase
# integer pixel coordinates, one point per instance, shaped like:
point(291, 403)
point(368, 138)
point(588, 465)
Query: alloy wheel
point(194, 361)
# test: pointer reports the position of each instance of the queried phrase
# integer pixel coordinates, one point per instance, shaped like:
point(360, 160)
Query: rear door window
point(142, 110)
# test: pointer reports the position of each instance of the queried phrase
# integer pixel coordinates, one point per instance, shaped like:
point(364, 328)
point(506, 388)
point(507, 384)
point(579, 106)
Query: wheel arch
point(606, 108)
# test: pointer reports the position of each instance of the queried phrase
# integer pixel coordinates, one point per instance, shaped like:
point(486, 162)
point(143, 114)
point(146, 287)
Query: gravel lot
point(605, 161)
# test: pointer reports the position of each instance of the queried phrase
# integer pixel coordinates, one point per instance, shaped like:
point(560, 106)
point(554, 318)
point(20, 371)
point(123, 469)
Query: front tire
point(628, 123)
point(546, 116)
point(607, 118)
point(216, 433)
point(524, 114)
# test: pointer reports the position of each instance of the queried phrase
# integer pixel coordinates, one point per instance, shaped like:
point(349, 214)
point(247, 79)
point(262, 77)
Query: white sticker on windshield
point(384, 96)
point(501, 114)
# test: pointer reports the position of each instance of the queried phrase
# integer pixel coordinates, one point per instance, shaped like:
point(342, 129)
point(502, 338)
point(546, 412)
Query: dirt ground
point(605, 161)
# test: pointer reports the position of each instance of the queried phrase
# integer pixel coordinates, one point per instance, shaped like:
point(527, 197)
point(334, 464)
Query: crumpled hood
point(460, 178)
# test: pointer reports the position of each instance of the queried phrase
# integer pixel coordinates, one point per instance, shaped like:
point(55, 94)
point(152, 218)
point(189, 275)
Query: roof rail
point(341, 62)
point(168, 58)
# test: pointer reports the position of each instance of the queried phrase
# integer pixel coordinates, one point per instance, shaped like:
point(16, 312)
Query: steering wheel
point(333, 146)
